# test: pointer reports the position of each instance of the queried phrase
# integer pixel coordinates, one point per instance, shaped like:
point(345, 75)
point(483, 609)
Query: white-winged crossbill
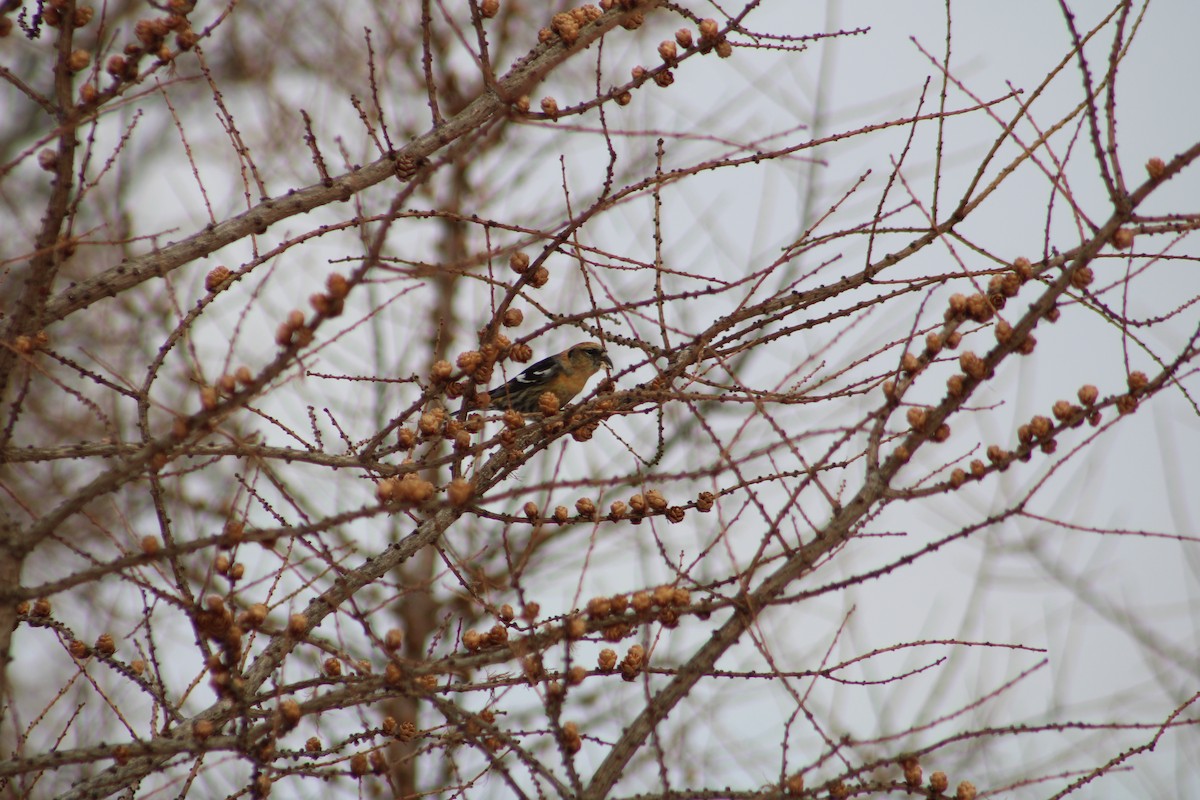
point(563, 375)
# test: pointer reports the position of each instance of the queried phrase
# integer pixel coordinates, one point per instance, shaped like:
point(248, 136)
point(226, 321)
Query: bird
point(563, 375)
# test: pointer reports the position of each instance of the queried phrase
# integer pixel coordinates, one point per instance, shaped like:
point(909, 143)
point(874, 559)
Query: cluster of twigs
point(262, 530)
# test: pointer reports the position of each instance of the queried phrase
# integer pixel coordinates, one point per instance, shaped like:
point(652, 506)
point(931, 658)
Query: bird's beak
point(604, 357)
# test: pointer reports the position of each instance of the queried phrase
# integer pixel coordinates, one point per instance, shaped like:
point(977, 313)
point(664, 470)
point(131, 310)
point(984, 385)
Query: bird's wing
point(538, 373)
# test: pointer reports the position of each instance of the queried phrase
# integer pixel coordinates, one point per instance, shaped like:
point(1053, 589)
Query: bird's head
point(589, 355)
